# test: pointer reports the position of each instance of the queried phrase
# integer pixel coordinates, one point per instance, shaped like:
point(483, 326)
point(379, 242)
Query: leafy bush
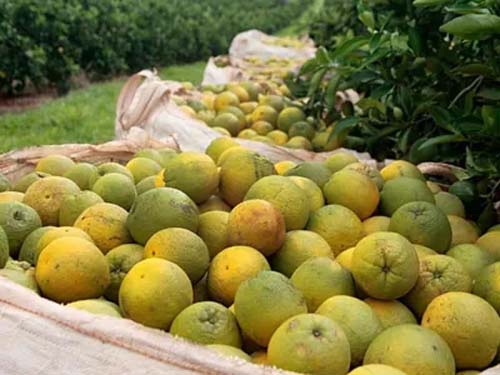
point(429, 72)
point(47, 42)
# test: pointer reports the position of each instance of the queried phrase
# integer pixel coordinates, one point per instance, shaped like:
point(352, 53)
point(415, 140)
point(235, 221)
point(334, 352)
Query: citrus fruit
point(121, 259)
point(213, 230)
point(207, 323)
point(46, 196)
point(286, 196)
point(471, 257)
point(413, 349)
point(222, 131)
point(495, 227)
point(424, 224)
point(247, 134)
point(248, 107)
point(25, 182)
point(158, 209)
point(283, 166)
point(105, 224)
point(71, 269)
point(151, 153)
point(299, 246)
point(275, 101)
point(338, 225)
point(228, 121)
point(166, 154)
point(391, 313)
point(402, 190)
point(401, 168)
point(193, 173)
point(73, 205)
point(490, 241)
point(438, 274)
point(385, 265)
point(345, 258)
point(279, 137)
point(55, 165)
point(83, 174)
point(236, 112)
point(487, 285)
point(299, 142)
point(434, 187)
point(312, 191)
point(265, 113)
point(462, 231)
point(29, 249)
point(218, 146)
point(310, 343)
point(322, 142)
point(253, 89)
point(263, 139)
point(263, 302)
point(97, 306)
point(339, 160)
point(301, 129)
point(142, 168)
point(376, 370)
point(288, 117)
point(230, 268)
point(4, 248)
point(376, 224)
point(469, 325)
point(358, 321)
point(112, 167)
point(312, 170)
point(354, 191)
point(214, 203)
point(239, 171)
point(370, 172)
point(262, 127)
point(182, 247)
point(450, 204)
point(117, 189)
point(11, 196)
point(154, 292)
point(320, 278)
point(423, 251)
point(58, 232)
point(260, 358)
point(230, 351)
point(256, 223)
point(226, 99)
point(18, 221)
point(20, 273)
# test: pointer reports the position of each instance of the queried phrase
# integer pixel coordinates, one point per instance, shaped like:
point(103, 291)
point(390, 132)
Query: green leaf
point(331, 90)
point(368, 19)
point(491, 119)
point(415, 41)
point(490, 93)
point(309, 66)
point(349, 46)
point(474, 69)
point(343, 127)
point(466, 9)
point(316, 81)
point(367, 103)
point(442, 118)
point(472, 26)
point(469, 102)
point(322, 56)
point(442, 139)
point(429, 3)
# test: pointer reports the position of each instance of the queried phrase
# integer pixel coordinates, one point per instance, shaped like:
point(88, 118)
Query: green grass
point(83, 116)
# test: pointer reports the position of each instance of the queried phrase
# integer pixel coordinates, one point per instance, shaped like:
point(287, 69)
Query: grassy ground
point(83, 116)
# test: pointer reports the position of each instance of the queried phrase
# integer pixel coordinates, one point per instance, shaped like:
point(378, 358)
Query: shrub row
point(47, 42)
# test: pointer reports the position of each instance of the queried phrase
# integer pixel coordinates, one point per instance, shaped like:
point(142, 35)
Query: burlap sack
point(17, 163)
point(255, 44)
point(146, 102)
point(38, 336)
